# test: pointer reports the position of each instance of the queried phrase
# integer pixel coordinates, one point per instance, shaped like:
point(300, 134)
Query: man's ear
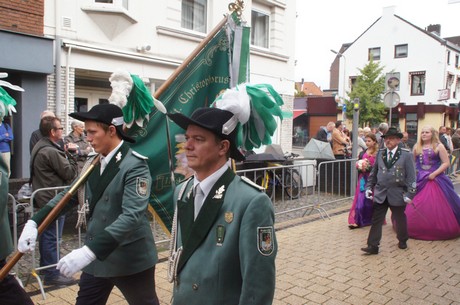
point(112, 130)
point(225, 146)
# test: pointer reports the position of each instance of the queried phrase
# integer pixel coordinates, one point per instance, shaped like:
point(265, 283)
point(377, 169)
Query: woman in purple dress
point(434, 213)
point(361, 209)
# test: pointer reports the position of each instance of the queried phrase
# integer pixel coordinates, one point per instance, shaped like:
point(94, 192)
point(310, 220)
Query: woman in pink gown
point(361, 210)
point(434, 213)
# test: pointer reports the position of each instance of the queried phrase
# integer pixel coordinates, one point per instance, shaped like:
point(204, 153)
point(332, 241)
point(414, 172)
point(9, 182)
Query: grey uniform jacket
point(229, 251)
point(394, 180)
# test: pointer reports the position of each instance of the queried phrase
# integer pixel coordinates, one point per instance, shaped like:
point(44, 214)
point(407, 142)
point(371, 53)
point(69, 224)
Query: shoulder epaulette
point(252, 183)
point(405, 149)
point(139, 155)
point(382, 149)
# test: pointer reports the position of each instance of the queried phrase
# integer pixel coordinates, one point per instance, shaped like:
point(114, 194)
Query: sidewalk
point(320, 262)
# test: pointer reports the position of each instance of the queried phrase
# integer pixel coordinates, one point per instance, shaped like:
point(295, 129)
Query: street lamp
point(342, 94)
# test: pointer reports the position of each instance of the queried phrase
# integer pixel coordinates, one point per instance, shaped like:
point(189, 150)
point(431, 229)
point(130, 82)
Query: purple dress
point(361, 209)
point(434, 214)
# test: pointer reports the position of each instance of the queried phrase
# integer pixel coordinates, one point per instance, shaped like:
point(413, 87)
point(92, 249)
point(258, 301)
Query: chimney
point(434, 28)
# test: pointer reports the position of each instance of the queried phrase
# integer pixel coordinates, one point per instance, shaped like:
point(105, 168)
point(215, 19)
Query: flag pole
point(52, 215)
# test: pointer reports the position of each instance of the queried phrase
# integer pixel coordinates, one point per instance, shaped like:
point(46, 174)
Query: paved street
point(320, 262)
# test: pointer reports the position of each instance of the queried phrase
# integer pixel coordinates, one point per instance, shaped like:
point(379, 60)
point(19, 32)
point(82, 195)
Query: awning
point(296, 113)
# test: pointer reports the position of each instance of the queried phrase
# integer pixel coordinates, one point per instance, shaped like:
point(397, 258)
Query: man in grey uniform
point(392, 184)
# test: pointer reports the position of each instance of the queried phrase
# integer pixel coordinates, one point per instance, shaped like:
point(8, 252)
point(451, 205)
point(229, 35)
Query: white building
point(425, 65)
point(94, 38)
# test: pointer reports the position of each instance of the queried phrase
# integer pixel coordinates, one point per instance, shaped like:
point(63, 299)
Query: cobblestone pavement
point(320, 262)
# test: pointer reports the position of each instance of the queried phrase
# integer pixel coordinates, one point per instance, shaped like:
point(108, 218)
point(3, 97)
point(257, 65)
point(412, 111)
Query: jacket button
point(106, 198)
point(195, 286)
point(104, 218)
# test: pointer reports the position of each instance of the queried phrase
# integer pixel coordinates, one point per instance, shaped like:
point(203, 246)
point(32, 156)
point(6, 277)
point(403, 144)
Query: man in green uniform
point(225, 240)
point(119, 248)
point(11, 293)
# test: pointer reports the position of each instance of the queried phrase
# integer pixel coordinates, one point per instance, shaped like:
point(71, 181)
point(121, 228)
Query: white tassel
point(121, 83)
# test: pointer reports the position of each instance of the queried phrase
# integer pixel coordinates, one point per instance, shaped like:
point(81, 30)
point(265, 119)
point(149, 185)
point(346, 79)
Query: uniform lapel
point(107, 176)
point(394, 159)
point(185, 212)
point(206, 217)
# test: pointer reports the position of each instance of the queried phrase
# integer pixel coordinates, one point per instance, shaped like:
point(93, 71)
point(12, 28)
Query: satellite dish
point(391, 99)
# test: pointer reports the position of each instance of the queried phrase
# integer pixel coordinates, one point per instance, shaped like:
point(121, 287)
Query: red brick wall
point(24, 16)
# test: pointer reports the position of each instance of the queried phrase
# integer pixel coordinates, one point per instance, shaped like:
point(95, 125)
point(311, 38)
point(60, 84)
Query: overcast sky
point(327, 24)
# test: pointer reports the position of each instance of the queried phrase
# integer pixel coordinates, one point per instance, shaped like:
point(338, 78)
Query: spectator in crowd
point(324, 133)
point(404, 140)
point(340, 141)
point(361, 141)
point(6, 136)
point(456, 139)
point(222, 220)
point(361, 210)
point(11, 293)
point(435, 211)
point(50, 167)
point(37, 135)
point(391, 185)
point(382, 130)
point(119, 248)
point(449, 138)
point(77, 144)
point(456, 147)
point(367, 130)
point(444, 139)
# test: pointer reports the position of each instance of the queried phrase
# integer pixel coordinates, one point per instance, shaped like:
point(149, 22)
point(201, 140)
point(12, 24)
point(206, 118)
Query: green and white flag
point(221, 64)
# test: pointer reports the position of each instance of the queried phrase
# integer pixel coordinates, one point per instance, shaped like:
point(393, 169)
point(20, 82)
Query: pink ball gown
point(434, 214)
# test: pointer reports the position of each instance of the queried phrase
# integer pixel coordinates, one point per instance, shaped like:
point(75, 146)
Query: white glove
point(407, 199)
point(75, 261)
point(369, 195)
point(26, 242)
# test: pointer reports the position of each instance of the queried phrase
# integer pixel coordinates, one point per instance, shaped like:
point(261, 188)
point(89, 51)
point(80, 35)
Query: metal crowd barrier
point(327, 183)
point(336, 181)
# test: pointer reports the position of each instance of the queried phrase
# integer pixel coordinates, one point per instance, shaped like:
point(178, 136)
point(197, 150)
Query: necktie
point(390, 156)
point(199, 197)
point(103, 164)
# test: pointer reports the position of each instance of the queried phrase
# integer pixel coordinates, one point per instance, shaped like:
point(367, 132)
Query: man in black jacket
point(324, 133)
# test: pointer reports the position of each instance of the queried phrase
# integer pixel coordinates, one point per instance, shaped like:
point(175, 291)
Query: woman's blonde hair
point(418, 148)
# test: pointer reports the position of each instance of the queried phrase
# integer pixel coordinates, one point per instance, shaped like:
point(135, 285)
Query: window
point(259, 31)
point(456, 61)
point(411, 128)
point(417, 80)
point(194, 15)
point(120, 3)
point(374, 53)
point(401, 51)
point(448, 57)
point(352, 82)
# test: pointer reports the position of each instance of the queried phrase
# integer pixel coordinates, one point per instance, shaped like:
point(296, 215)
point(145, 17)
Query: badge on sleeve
point(265, 240)
point(142, 186)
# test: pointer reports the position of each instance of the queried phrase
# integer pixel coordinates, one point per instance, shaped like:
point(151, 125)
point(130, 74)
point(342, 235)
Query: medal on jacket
point(220, 234)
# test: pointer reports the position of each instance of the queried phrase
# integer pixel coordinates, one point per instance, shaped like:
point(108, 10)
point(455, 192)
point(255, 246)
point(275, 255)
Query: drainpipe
point(58, 77)
point(67, 81)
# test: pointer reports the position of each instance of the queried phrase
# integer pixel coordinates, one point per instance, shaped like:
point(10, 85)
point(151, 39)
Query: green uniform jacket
point(229, 251)
point(118, 231)
point(6, 243)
